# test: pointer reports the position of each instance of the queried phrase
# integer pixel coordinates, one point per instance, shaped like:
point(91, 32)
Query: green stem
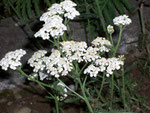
point(111, 40)
point(56, 104)
point(83, 68)
point(70, 89)
point(118, 42)
point(142, 19)
point(51, 41)
point(88, 21)
point(84, 95)
point(56, 43)
point(123, 91)
point(103, 80)
point(39, 82)
point(101, 17)
point(112, 90)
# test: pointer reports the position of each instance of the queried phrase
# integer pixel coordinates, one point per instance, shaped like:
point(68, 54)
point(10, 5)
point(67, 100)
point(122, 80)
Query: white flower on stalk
point(91, 54)
point(109, 65)
point(36, 60)
point(73, 50)
point(12, 59)
point(92, 70)
point(122, 20)
point(110, 29)
point(53, 27)
point(72, 13)
point(63, 94)
point(69, 7)
point(101, 43)
point(58, 66)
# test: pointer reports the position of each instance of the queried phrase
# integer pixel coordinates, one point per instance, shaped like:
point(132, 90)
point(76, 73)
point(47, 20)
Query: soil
point(29, 99)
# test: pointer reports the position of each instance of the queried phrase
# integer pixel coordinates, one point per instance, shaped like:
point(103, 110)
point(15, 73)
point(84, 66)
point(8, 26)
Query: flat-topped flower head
point(53, 27)
point(109, 65)
point(110, 29)
point(101, 43)
point(122, 20)
point(91, 54)
point(92, 70)
point(36, 60)
point(58, 66)
point(73, 50)
point(70, 10)
point(12, 59)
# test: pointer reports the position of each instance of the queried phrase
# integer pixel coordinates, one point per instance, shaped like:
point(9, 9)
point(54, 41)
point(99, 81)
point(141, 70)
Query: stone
point(24, 110)
point(12, 38)
point(9, 103)
point(132, 32)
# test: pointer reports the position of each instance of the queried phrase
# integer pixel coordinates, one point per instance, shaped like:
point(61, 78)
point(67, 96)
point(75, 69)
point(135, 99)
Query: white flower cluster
point(54, 64)
point(122, 20)
point(101, 43)
point(53, 26)
point(92, 70)
point(58, 65)
point(73, 50)
point(110, 29)
point(69, 7)
point(91, 54)
point(63, 94)
point(36, 61)
point(104, 65)
point(53, 19)
point(12, 59)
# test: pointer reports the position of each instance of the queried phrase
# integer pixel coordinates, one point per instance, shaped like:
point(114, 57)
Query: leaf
point(23, 11)
point(127, 5)
point(118, 6)
point(47, 3)
point(36, 7)
point(111, 9)
point(72, 100)
point(127, 69)
point(29, 8)
point(107, 17)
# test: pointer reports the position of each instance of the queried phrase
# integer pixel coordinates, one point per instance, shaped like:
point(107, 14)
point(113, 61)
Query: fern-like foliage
point(108, 8)
point(28, 10)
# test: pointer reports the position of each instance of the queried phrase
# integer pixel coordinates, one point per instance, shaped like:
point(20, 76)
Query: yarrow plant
point(54, 24)
point(87, 66)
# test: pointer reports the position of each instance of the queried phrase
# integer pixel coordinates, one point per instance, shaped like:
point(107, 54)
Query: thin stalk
point(112, 91)
point(118, 42)
point(64, 37)
point(39, 82)
point(83, 68)
point(70, 89)
point(88, 21)
point(85, 97)
point(123, 90)
point(142, 19)
point(56, 104)
point(51, 41)
point(103, 80)
point(56, 43)
point(101, 17)
point(111, 40)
